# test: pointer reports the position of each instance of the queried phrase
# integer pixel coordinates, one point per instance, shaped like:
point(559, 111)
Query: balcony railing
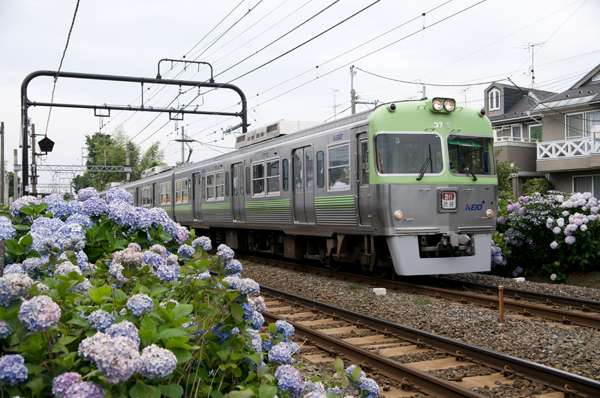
point(515, 139)
point(565, 149)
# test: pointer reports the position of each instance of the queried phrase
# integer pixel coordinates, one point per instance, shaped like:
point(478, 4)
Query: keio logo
point(474, 207)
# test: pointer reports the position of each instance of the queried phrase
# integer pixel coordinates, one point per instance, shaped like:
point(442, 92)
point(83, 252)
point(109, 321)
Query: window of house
point(339, 166)
point(587, 184)
point(582, 125)
point(494, 99)
point(535, 132)
point(516, 132)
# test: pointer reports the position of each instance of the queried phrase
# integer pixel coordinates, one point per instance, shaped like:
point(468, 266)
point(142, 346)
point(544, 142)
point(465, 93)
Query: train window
point(471, 154)
point(364, 157)
point(309, 168)
point(168, 194)
point(409, 153)
point(247, 180)
point(226, 183)
point(219, 186)
point(258, 179)
point(284, 172)
point(184, 191)
point(203, 187)
point(339, 166)
point(241, 180)
point(234, 177)
point(210, 187)
point(272, 177)
point(320, 169)
point(297, 166)
point(178, 191)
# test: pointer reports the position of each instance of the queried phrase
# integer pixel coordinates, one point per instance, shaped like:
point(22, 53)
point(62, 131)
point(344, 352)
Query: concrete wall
point(564, 181)
point(572, 164)
point(522, 154)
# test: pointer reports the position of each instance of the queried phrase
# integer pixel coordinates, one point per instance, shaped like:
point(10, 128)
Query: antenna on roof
point(531, 49)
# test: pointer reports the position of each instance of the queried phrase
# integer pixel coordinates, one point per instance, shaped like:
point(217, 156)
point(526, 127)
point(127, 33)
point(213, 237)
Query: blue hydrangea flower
point(119, 358)
point(7, 231)
point(12, 370)
point(186, 252)
point(257, 320)
point(115, 271)
point(224, 252)
point(181, 234)
point(202, 242)
point(248, 286)
point(14, 269)
point(142, 217)
point(153, 259)
point(4, 329)
point(349, 371)
point(84, 389)
point(369, 387)
point(17, 205)
point(14, 286)
point(33, 265)
point(290, 380)
point(90, 346)
point(160, 217)
point(172, 260)
point(140, 304)
point(94, 207)
point(82, 287)
point(260, 305)
point(166, 273)
point(281, 354)
point(101, 320)
point(56, 205)
point(317, 390)
point(66, 268)
point(334, 390)
point(157, 362)
point(39, 313)
point(80, 219)
point(119, 194)
point(87, 193)
point(159, 249)
point(233, 267)
point(75, 207)
point(61, 383)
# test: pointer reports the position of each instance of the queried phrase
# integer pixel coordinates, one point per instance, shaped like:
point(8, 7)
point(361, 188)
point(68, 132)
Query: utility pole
point(127, 158)
point(334, 105)
point(185, 141)
point(33, 163)
point(16, 176)
point(2, 187)
point(352, 91)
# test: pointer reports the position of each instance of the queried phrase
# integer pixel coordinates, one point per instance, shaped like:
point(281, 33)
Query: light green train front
point(434, 185)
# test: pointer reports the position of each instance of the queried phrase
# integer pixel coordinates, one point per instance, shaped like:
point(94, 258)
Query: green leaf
point(183, 310)
point(26, 242)
point(120, 295)
point(165, 314)
point(36, 385)
point(181, 354)
point(157, 291)
point(12, 311)
point(356, 374)
point(170, 333)
point(338, 364)
point(146, 334)
point(223, 354)
point(165, 237)
point(149, 324)
point(171, 390)
point(272, 328)
point(241, 394)
point(237, 311)
point(27, 210)
point(21, 227)
point(267, 391)
point(104, 291)
point(177, 342)
point(141, 390)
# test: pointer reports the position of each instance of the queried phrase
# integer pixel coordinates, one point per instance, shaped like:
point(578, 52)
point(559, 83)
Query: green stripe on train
point(216, 208)
point(335, 202)
point(268, 205)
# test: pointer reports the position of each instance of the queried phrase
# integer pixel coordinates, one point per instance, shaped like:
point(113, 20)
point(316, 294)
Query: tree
point(153, 156)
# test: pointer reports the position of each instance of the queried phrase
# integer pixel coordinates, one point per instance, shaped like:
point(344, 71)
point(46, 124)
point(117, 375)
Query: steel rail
point(554, 378)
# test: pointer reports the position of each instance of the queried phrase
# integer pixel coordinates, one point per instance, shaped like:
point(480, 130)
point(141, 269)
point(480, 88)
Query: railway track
point(569, 311)
point(408, 362)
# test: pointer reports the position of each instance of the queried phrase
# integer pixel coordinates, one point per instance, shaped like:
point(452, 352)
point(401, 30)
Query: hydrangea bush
point(551, 233)
point(107, 300)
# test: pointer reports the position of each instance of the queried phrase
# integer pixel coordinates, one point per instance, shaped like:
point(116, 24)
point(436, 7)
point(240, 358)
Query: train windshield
point(409, 153)
point(469, 154)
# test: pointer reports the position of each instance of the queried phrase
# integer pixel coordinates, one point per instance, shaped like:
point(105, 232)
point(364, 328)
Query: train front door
point(237, 192)
point(303, 185)
point(197, 195)
point(364, 188)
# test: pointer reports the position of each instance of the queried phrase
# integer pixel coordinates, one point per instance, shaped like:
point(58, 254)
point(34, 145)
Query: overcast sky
point(460, 42)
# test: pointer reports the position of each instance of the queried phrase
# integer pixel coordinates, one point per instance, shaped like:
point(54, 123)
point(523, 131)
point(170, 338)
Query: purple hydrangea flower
point(290, 380)
point(12, 370)
point(75, 207)
point(143, 218)
point(166, 273)
point(224, 252)
point(140, 304)
point(14, 286)
point(181, 234)
point(233, 267)
point(17, 205)
point(569, 240)
point(94, 207)
point(157, 362)
point(80, 219)
point(159, 249)
point(39, 313)
point(119, 358)
point(101, 320)
point(186, 252)
point(87, 193)
point(281, 354)
point(56, 205)
point(61, 383)
point(202, 242)
point(7, 231)
point(89, 347)
point(554, 245)
point(119, 194)
point(256, 320)
point(128, 256)
point(4, 329)
point(84, 389)
point(125, 329)
point(153, 259)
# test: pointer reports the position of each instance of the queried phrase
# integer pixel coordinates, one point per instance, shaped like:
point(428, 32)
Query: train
point(407, 188)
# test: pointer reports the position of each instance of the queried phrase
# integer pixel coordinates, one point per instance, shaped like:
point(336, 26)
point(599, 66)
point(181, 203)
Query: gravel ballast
point(568, 348)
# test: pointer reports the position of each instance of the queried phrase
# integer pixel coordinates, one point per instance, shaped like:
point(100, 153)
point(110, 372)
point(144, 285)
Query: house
point(552, 135)
point(516, 130)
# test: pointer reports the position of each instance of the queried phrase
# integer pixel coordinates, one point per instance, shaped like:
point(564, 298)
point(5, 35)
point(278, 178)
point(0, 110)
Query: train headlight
point(398, 214)
point(438, 105)
point(449, 105)
point(489, 213)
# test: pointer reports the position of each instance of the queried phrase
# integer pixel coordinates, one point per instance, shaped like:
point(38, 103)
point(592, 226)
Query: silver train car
point(409, 187)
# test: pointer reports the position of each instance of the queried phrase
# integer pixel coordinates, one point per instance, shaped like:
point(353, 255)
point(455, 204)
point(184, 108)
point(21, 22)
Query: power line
point(60, 66)
point(428, 84)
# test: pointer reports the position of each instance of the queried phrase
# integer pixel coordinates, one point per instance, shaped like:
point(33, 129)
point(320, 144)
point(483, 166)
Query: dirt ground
point(584, 279)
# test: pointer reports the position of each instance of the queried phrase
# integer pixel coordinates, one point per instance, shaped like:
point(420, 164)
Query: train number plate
point(448, 200)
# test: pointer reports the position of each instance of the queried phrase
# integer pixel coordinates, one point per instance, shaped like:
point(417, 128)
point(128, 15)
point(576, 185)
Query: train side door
point(154, 195)
point(197, 197)
point(364, 188)
point(237, 192)
point(303, 185)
